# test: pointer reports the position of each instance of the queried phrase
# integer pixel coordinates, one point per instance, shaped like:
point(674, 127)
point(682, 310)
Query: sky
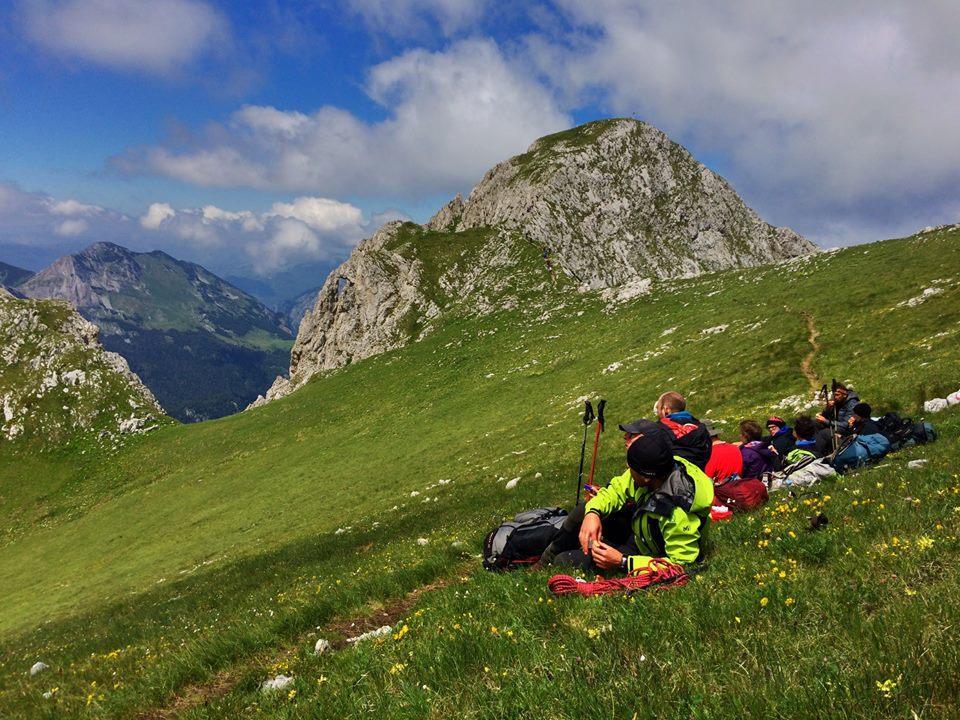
point(256, 136)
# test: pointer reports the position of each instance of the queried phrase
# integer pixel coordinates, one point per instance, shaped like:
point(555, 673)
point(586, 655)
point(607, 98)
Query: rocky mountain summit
point(59, 384)
point(612, 205)
point(203, 346)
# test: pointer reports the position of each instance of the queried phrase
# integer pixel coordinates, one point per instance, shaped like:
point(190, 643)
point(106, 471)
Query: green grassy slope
point(212, 551)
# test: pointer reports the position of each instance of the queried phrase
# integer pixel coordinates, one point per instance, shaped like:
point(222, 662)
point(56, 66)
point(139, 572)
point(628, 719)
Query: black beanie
point(862, 410)
point(651, 453)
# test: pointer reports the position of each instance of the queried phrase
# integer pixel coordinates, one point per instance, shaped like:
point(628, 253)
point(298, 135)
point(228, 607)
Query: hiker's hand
point(589, 530)
point(821, 418)
point(606, 557)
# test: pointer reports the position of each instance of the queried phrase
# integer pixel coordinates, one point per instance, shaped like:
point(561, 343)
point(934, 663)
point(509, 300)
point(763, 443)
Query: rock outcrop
point(613, 204)
point(617, 200)
point(57, 381)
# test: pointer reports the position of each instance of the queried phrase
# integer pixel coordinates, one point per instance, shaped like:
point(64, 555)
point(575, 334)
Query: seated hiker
point(805, 432)
point(725, 458)
point(671, 497)
point(860, 422)
point(757, 457)
point(618, 524)
point(780, 439)
point(835, 417)
point(691, 440)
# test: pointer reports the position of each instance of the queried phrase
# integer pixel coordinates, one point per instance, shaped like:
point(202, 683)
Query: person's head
point(650, 454)
point(804, 427)
point(775, 424)
point(862, 411)
point(669, 402)
point(840, 392)
point(632, 430)
point(750, 431)
point(712, 431)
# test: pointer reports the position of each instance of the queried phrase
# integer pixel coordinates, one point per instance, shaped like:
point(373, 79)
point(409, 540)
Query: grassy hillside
point(198, 561)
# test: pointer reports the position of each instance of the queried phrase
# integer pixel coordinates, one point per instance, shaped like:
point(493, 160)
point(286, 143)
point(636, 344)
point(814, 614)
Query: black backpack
point(521, 541)
point(904, 432)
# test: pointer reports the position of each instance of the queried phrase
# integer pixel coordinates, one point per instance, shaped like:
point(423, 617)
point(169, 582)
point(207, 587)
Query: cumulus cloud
point(451, 114)
point(822, 112)
point(160, 36)
point(156, 214)
point(36, 228)
point(405, 17)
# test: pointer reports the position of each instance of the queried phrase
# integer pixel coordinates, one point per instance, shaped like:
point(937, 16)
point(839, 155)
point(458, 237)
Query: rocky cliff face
point(58, 383)
point(613, 205)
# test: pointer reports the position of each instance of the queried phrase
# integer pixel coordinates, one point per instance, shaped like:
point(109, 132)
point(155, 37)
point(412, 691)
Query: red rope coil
point(659, 572)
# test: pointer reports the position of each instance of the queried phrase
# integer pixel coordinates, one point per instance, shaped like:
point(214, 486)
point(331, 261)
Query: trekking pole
point(836, 416)
point(596, 439)
point(587, 419)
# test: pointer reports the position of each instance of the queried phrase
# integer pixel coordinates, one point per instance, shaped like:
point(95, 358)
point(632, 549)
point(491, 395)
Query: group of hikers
point(660, 506)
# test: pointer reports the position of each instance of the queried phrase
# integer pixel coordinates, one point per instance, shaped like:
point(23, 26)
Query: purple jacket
point(757, 459)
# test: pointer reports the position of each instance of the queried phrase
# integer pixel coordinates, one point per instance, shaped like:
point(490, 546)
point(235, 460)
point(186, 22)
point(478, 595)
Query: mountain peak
point(607, 204)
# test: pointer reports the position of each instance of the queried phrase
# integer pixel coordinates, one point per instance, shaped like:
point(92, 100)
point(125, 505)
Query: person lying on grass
point(671, 498)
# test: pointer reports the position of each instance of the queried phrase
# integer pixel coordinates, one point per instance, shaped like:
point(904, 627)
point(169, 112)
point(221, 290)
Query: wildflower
point(887, 687)
point(593, 633)
point(494, 631)
point(292, 694)
point(789, 601)
point(792, 534)
point(924, 542)
point(764, 601)
point(400, 633)
point(398, 667)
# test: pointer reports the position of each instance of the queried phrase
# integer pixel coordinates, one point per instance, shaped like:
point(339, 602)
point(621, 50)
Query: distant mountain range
point(11, 275)
point(203, 346)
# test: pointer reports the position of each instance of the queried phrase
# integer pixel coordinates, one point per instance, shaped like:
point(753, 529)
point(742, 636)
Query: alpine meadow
point(451, 359)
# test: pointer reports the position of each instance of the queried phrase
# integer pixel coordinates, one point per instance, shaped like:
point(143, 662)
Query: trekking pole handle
point(587, 412)
point(600, 419)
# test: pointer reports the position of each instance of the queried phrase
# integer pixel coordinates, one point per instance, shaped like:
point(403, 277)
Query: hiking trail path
point(806, 365)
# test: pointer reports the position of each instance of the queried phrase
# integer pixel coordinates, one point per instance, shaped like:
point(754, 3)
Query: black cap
point(651, 453)
point(636, 427)
point(862, 410)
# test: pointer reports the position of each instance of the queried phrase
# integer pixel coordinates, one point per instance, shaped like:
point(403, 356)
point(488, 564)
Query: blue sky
point(840, 120)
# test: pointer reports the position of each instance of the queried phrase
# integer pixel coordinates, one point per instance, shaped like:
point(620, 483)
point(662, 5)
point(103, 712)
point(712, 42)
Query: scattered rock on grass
point(277, 683)
point(322, 646)
point(917, 464)
point(38, 667)
point(380, 631)
point(512, 483)
point(422, 541)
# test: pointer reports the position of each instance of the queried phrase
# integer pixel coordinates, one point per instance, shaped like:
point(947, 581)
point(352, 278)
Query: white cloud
point(451, 114)
point(404, 17)
point(72, 228)
point(73, 207)
point(35, 228)
point(156, 215)
point(319, 213)
point(159, 36)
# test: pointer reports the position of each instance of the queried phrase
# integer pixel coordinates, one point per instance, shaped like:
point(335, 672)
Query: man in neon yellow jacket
point(671, 499)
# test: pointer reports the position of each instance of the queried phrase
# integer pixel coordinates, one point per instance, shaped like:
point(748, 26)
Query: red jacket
point(725, 460)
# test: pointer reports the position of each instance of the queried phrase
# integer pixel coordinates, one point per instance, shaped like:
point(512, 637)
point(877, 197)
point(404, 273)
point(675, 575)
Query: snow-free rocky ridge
point(58, 384)
point(611, 205)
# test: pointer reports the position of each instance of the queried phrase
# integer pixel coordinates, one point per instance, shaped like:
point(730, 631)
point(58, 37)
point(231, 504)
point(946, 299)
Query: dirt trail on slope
point(806, 365)
point(220, 684)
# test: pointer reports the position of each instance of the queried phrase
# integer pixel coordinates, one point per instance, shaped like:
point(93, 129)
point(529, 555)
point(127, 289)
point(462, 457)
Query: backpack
point(864, 449)
point(923, 433)
point(741, 494)
point(899, 431)
point(521, 541)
